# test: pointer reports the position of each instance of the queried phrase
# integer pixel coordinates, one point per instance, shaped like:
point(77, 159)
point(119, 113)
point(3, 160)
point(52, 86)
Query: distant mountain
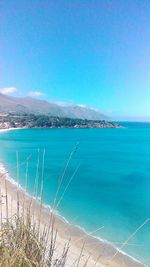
point(10, 104)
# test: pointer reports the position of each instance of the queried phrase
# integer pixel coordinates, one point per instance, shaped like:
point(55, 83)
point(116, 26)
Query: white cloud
point(35, 93)
point(61, 103)
point(85, 106)
point(8, 90)
point(82, 105)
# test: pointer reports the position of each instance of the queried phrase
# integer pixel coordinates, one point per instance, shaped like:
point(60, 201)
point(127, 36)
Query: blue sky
point(91, 52)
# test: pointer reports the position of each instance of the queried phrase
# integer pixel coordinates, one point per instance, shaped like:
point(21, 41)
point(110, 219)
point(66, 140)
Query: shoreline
point(9, 129)
point(95, 247)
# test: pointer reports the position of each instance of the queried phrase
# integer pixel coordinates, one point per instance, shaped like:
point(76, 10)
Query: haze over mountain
point(36, 106)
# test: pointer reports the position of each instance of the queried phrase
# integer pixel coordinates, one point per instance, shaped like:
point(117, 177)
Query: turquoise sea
point(111, 187)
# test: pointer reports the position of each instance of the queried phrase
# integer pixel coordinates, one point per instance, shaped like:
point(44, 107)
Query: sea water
point(103, 177)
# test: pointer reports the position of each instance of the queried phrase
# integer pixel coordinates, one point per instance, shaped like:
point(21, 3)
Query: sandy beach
point(5, 130)
point(97, 252)
point(9, 129)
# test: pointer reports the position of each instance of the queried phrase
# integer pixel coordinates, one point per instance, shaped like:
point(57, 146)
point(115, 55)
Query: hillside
point(28, 105)
point(46, 121)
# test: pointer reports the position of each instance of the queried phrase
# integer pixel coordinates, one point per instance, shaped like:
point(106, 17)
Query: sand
point(9, 129)
point(98, 252)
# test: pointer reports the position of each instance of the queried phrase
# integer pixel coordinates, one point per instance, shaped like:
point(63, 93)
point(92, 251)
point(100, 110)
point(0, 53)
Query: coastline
point(99, 251)
point(9, 129)
point(47, 121)
point(6, 130)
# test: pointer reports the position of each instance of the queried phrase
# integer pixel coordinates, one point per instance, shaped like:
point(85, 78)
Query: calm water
point(111, 187)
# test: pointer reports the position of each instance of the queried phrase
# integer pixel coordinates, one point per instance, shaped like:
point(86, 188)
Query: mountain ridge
point(11, 104)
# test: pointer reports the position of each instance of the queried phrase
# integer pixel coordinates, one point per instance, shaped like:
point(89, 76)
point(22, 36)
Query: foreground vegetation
point(21, 245)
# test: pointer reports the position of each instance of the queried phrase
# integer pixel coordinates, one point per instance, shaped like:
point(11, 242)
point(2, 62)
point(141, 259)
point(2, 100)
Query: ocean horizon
point(105, 186)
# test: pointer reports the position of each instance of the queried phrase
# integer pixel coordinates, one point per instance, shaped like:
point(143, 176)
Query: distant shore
point(99, 251)
point(62, 127)
point(46, 121)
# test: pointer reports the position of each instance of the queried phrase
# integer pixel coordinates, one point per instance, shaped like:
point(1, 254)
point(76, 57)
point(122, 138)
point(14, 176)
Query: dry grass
point(21, 245)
